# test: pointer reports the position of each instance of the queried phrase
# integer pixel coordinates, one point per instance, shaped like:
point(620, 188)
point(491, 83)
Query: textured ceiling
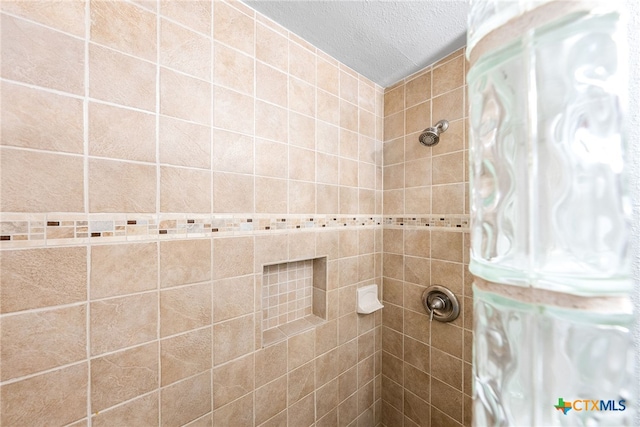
point(381, 39)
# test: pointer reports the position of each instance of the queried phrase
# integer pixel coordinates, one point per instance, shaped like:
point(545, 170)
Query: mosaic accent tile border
point(29, 230)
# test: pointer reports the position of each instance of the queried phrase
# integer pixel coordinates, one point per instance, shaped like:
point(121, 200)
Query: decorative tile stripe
point(18, 230)
point(449, 222)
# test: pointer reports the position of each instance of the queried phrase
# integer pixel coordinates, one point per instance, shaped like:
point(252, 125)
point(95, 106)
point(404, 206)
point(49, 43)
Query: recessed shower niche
point(294, 298)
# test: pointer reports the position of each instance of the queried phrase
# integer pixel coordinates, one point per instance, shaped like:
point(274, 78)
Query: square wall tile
point(272, 48)
point(121, 133)
point(184, 261)
point(233, 111)
point(186, 400)
point(36, 341)
point(184, 50)
point(185, 97)
point(37, 278)
point(124, 27)
point(193, 14)
point(121, 376)
point(184, 144)
point(121, 79)
point(232, 27)
point(185, 308)
point(123, 269)
point(142, 411)
point(62, 398)
point(67, 16)
point(185, 190)
point(232, 152)
point(37, 119)
point(41, 182)
point(123, 322)
point(233, 69)
point(45, 58)
point(232, 193)
point(185, 355)
point(121, 187)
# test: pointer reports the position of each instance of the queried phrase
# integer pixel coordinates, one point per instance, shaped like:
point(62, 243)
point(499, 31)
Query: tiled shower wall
point(426, 367)
point(155, 155)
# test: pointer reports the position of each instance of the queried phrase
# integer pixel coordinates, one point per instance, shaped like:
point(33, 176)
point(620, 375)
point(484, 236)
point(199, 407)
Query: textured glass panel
point(527, 356)
point(549, 207)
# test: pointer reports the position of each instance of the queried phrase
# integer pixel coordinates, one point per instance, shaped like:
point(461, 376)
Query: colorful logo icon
point(590, 405)
point(563, 406)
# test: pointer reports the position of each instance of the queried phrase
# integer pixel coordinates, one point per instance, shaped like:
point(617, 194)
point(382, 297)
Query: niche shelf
point(294, 298)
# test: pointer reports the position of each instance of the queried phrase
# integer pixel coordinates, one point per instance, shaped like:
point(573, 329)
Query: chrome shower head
point(431, 136)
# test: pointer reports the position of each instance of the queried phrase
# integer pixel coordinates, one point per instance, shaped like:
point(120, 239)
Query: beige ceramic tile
point(185, 97)
point(186, 400)
point(270, 399)
point(134, 137)
point(301, 164)
point(37, 119)
point(394, 101)
point(121, 79)
point(124, 375)
point(446, 399)
point(271, 122)
point(302, 63)
point(185, 308)
point(184, 144)
point(184, 50)
point(233, 28)
point(237, 253)
point(394, 126)
point(32, 342)
point(418, 200)
point(233, 111)
point(67, 16)
point(302, 412)
point(448, 76)
point(327, 169)
point(447, 246)
point(233, 69)
point(271, 363)
point(348, 88)
point(40, 182)
point(272, 48)
point(240, 411)
point(233, 380)
point(121, 187)
point(124, 27)
point(448, 168)
point(302, 97)
point(448, 199)
point(184, 355)
point(232, 193)
point(194, 14)
point(348, 116)
point(301, 382)
point(233, 297)
point(327, 138)
point(418, 173)
point(301, 131)
point(271, 159)
point(328, 107)
point(417, 118)
point(123, 322)
point(40, 56)
point(185, 190)
point(143, 411)
point(449, 106)
point(37, 278)
point(418, 89)
point(185, 261)
point(271, 84)
point(302, 197)
point(232, 339)
point(328, 76)
point(452, 139)
point(394, 176)
point(232, 152)
point(123, 269)
point(62, 398)
point(327, 199)
point(271, 195)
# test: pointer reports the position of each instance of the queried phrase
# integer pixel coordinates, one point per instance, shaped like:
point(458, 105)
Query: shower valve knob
point(441, 303)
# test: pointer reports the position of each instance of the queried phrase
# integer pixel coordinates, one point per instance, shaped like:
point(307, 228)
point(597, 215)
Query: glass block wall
point(550, 214)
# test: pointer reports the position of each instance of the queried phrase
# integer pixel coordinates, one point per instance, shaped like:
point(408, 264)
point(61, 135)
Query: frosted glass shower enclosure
point(550, 214)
